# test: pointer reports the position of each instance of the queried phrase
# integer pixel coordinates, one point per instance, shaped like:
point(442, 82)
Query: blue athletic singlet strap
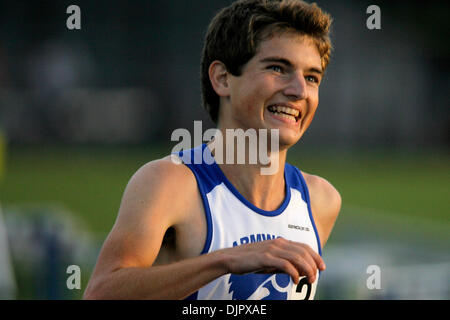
point(200, 161)
point(297, 181)
point(207, 178)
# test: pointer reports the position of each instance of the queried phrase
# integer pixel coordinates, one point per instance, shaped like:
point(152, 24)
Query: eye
point(276, 68)
point(312, 79)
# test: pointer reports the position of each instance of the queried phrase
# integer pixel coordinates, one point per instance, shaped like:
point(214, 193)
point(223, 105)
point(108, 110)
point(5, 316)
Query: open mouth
point(285, 112)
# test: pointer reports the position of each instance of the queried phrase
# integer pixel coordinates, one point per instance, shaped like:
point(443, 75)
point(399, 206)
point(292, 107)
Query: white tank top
point(232, 220)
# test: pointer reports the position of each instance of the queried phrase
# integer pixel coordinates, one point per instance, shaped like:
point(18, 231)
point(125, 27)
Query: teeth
point(283, 115)
point(287, 110)
point(286, 116)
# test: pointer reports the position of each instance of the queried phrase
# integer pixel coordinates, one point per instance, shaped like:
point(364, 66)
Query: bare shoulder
point(325, 204)
point(158, 183)
point(164, 171)
point(322, 191)
point(157, 197)
point(163, 174)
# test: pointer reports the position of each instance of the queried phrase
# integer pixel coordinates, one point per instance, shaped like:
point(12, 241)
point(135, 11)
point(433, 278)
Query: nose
point(296, 88)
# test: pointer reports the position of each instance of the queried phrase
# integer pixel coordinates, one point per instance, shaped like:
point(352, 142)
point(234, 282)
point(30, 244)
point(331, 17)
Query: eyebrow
point(289, 64)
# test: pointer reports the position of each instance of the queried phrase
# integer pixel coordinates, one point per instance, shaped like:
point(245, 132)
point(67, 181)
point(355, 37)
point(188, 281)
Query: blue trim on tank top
point(247, 203)
point(215, 176)
point(206, 182)
point(308, 202)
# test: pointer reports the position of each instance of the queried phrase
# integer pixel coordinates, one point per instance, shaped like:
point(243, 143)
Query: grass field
point(89, 181)
point(408, 191)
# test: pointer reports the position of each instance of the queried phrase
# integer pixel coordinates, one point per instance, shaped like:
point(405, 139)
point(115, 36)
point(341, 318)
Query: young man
point(225, 231)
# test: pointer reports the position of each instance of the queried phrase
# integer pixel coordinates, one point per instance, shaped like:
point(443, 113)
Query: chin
point(287, 141)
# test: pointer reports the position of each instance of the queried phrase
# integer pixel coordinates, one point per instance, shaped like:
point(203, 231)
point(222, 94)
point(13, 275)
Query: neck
point(261, 183)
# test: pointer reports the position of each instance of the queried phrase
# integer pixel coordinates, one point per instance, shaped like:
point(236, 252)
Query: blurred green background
point(90, 180)
point(403, 195)
point(82, 110)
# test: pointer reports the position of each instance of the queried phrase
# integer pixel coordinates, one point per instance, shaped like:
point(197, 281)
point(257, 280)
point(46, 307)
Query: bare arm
point(151, 204)
point(173, 281)
point(325, 205)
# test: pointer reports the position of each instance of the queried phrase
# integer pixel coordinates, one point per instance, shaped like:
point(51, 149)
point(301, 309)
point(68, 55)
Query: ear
point(218, 75)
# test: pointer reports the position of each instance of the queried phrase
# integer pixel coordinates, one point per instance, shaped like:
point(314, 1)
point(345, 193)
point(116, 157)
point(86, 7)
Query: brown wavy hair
point(235, 32)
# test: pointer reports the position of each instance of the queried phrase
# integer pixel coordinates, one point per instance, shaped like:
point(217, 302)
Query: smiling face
point(277, 89)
